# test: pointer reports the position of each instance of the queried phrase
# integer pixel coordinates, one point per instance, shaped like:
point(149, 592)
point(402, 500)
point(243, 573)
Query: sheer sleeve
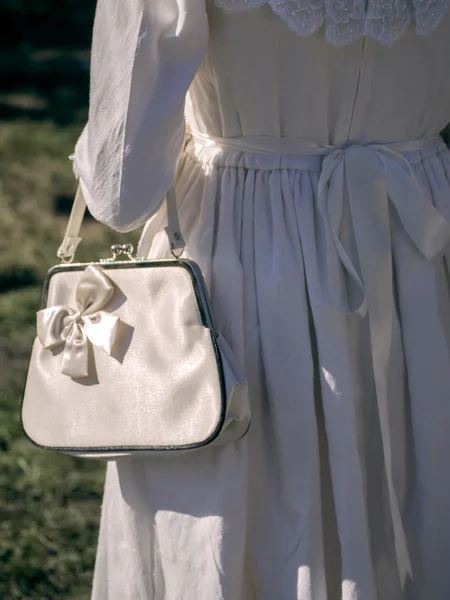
point(145, 54)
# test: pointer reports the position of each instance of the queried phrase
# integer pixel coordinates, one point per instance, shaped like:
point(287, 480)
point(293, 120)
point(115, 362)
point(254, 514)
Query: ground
point(49, 503)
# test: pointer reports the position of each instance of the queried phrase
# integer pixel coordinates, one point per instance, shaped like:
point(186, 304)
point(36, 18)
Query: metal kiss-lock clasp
point(117, 250)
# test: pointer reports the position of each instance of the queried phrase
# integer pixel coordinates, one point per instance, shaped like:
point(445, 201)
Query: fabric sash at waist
point(267, 152)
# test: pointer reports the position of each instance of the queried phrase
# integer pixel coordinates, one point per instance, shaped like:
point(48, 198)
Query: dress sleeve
point(145, 54)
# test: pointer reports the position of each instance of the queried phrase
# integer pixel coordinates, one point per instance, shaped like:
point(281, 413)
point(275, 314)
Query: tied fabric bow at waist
point(358, 186)
point(76, 329)
point(369, 178)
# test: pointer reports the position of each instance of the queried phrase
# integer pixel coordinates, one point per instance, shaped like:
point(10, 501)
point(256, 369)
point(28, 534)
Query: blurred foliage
point(36, 192)
point(44, 58)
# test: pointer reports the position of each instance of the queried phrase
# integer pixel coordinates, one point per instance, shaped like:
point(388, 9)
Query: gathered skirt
point(341, 488)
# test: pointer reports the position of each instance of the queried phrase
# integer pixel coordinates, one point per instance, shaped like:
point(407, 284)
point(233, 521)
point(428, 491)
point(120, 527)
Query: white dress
point(315, 195)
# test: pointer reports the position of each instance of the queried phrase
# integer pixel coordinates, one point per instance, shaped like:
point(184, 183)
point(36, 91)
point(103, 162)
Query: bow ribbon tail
point(368, 195)
point(76, 352)
point(341, 282)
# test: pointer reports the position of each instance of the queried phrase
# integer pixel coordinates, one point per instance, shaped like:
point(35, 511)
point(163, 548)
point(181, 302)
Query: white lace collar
point(347, 20)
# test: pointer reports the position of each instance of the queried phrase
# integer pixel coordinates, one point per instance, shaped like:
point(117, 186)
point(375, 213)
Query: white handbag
point(127, 360)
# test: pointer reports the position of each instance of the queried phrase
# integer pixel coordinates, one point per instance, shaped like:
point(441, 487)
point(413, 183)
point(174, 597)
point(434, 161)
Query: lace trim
point(347, 20)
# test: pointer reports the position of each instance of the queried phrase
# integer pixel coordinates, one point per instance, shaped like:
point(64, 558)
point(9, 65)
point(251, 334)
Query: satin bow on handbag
point(77, 328)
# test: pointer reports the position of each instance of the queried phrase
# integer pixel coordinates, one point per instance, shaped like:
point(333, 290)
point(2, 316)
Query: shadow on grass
point(44, 59)
point(17, 278)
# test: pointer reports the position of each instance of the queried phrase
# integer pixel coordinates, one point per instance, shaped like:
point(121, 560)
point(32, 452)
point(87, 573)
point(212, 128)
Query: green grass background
point(49, 503)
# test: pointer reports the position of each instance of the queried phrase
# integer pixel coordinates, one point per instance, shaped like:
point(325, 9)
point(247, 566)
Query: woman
point(315, 194)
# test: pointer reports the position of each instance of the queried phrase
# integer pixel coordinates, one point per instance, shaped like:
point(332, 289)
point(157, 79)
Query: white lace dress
point(315, 195)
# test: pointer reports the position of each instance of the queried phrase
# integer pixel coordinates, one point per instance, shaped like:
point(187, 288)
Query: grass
point(49, 503)
point(49, 516)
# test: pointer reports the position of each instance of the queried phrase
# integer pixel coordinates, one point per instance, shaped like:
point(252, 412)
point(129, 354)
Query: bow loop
point(74, 329)
point(94, 291)
point(342, 283)
point(424, 224)
point(359, 179)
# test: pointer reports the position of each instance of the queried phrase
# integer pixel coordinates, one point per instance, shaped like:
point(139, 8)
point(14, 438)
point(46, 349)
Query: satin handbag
point(127, 360)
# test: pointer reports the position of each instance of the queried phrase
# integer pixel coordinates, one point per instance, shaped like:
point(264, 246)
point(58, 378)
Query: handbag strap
point(66, 251)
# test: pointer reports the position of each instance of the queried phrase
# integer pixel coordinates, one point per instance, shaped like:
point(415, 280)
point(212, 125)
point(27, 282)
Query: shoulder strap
point(66, 251)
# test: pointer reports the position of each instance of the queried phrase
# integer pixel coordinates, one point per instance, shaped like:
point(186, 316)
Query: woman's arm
point(145, 54)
